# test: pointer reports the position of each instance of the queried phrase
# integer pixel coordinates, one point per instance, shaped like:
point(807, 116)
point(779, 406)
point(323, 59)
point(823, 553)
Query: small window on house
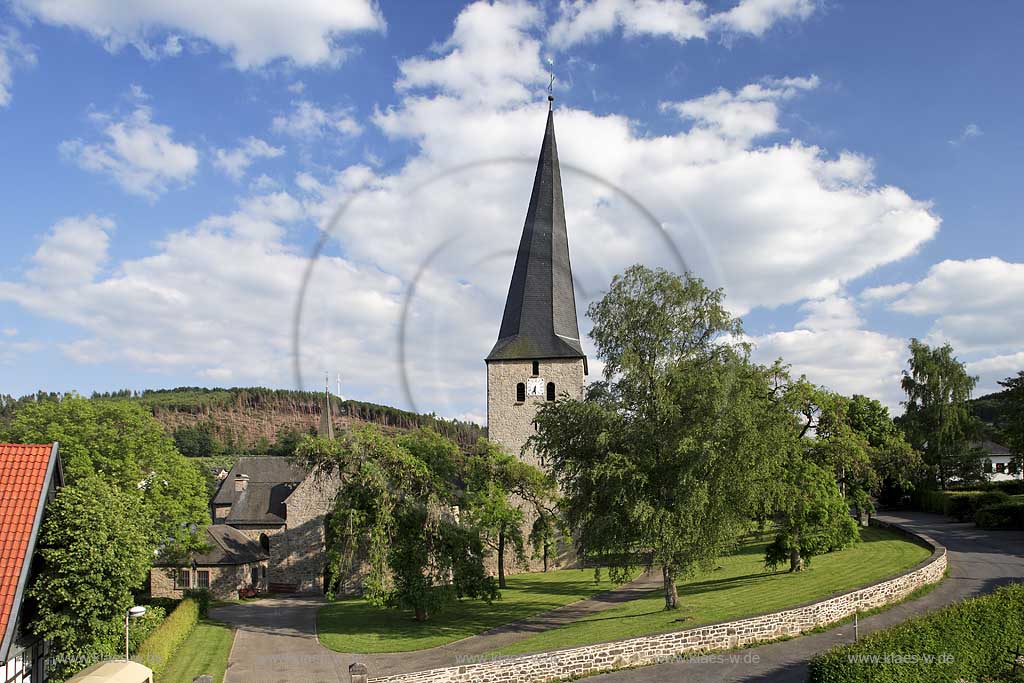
point(551, 391)
point(203, 578)
point(183, 579)
point(265, 543)
point(1000, 467)
point(988, 467)
point(520, 392)
point(536, 368)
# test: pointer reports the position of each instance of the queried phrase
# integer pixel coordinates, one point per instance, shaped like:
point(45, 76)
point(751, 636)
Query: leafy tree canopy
point(125, 446)
point(667, 460)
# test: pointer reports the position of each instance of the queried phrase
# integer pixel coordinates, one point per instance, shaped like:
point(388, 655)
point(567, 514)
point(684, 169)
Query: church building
point(538, 356)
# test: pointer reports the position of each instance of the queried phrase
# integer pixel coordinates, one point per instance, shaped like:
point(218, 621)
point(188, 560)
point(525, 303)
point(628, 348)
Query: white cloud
point(305, 32)
point(140, 155)
point(885, 292)
point(831, 347)
point(72, 253)
point(970, 131)
point(9, 331)
point(237, 161)
point(998, 366)
point(979, 303)
point(489, 58)
point(307, 120)
point(679, 20)
point(746, 114)
point(13, 53)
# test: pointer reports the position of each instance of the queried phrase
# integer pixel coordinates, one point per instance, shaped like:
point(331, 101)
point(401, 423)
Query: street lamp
point(136, 611)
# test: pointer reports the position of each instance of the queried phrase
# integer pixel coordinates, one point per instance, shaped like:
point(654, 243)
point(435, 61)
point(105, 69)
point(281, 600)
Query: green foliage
point(142, 627)
point(205, 651)
point(962, 506)
point(1011, 418)
point(157, 650)
point(95, 549)
point(124, 445)
point(665, 462)
point(1009, 515)
point(965, 641)
point(395, 511)
point(938, 420)
point(286, 442)
point(198, 440)
point(811, 515)
point(201, 597)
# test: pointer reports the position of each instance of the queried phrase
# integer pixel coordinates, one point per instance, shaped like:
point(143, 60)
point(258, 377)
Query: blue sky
point(845, 170)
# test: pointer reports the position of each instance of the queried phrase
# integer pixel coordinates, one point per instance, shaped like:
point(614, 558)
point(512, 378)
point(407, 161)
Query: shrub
point(201, 596)
point(157, 650)
point(962, 504)
point(968, 640)
point(1008, 515)
point(990, 499)
point(1010, 488)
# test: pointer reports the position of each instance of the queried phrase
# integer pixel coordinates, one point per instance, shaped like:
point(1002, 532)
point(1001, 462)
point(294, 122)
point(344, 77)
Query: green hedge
point(156, 651)
point(960, 505)
point(1007, 515)
point(970, 639)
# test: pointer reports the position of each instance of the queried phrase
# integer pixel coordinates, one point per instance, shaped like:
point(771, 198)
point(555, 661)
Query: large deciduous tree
point(125, 446)
point(95, 547)
point(938, 420)
point(1011, 421)
point(664, 463)
point(394, 513)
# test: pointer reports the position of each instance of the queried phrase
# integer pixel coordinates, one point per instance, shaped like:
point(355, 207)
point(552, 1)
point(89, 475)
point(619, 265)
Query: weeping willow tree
point(395, 520)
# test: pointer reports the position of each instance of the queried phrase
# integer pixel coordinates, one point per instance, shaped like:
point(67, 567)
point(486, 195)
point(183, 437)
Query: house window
point(536, 368)
point(551, 391)
point(203, 578)
point(1000, 467)
point(988, 467)
point(254, 575)
point(265, 543)
point(183, 579)
point(520, 392)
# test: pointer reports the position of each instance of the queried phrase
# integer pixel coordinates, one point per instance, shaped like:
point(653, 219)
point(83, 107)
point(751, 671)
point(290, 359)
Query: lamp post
point(136, 611)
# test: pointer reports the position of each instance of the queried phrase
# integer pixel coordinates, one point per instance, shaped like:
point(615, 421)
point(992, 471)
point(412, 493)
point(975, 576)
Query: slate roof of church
point(26, 474)
point(540, 311)
point(271, 480)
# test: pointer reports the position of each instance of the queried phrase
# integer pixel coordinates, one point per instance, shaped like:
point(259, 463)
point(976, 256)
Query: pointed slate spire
point(326, 429)
point(540, 311)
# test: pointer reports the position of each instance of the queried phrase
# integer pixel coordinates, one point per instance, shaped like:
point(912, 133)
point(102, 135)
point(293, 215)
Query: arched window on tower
point(536, 368)
point(520, 392)
point(265, 543)
point(551, 391)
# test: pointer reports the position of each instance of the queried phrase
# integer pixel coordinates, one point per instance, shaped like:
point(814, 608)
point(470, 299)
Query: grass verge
point(354, 625)
point(738, 587)
point(205, 651)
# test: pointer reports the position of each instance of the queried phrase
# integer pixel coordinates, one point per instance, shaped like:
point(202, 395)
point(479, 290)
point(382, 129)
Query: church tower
point(538, 356)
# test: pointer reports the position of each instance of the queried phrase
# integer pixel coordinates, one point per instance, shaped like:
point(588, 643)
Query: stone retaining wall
point(656, 649)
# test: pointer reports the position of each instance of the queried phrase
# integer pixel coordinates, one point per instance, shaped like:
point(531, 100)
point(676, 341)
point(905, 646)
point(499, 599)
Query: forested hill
point(256, 419)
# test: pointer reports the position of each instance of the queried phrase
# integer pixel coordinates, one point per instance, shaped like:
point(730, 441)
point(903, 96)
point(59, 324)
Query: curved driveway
point(276, 638)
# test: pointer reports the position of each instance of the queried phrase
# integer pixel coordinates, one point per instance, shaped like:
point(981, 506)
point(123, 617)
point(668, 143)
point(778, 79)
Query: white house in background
point(999, 462)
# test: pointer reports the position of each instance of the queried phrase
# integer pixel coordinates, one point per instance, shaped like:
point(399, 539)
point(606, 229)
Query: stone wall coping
point(546, 666)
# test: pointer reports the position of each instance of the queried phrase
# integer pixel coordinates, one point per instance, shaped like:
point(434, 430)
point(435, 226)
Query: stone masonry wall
point(308, 506)
point(647, 650)
point(510, 424)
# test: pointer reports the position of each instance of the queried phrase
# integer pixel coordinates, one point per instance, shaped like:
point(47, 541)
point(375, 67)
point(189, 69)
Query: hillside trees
point(938, 420)
point(665, 463)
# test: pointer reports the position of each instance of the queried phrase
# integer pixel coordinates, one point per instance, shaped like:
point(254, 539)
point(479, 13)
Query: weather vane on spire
point(551, 82)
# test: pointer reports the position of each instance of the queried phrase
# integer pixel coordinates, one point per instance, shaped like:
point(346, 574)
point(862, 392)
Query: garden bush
point(156, 651)
point(968, 640)
point(1008, 515)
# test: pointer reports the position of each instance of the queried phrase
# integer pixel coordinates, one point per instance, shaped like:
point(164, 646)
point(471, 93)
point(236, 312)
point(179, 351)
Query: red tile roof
point(23, 470)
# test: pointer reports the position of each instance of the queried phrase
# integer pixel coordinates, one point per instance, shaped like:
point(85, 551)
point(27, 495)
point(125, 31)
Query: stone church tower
point(537, 357)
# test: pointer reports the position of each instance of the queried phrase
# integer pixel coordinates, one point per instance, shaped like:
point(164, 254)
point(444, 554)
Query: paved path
point(978, 562)
point(276, 640)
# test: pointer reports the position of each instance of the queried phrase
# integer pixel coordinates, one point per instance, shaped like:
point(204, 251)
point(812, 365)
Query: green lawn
point(738, 587)
point(205, 651)
point(354, 625)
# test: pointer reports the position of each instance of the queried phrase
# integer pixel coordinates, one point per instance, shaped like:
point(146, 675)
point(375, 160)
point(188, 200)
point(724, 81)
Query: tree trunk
point(796, 563)
point(546, 546)
point(668, 576)
point(501, 559)
point(421, 614)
